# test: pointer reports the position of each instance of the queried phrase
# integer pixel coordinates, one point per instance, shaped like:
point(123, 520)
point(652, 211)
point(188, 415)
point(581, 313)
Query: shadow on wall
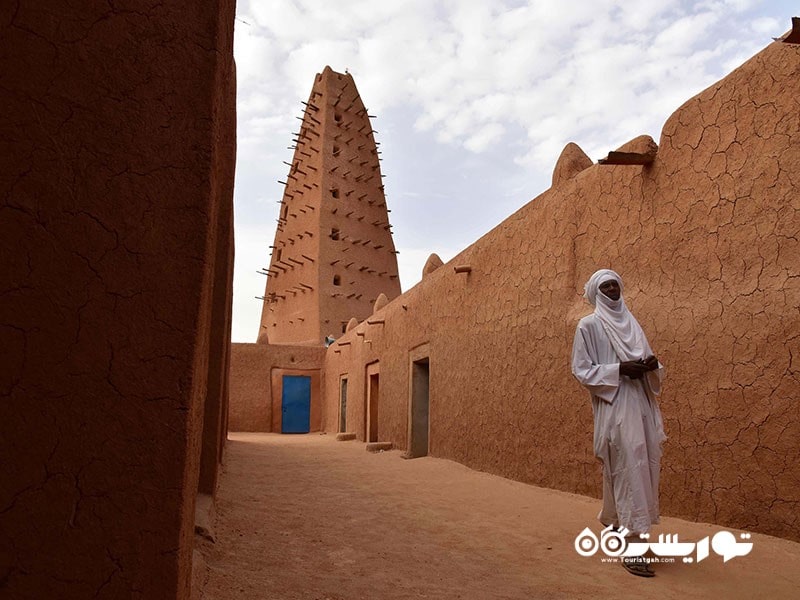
point(117, 245)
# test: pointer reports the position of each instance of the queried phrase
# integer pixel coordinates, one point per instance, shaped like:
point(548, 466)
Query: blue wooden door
point(296, 404)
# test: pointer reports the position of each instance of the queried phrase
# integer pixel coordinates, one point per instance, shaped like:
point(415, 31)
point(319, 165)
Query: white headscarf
point(622, 328)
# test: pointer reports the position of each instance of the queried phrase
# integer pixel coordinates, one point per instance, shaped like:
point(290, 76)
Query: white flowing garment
point(628, 429)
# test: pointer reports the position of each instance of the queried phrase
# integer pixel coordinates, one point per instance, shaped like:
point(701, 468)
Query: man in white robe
point(612, 358)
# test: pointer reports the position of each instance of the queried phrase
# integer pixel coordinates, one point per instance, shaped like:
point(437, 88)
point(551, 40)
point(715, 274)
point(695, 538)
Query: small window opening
point(278, 254)
point(337, 280)
point(336, 150)
point(337, 117)
point(335, 193)
point(334, 234)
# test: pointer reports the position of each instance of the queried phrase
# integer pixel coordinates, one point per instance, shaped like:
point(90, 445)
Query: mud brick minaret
point(333, 252)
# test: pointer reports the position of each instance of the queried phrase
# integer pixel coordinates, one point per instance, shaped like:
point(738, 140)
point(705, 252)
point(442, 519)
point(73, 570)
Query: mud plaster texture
point(304, 517)
point(333, 252)
point(117, 137)
point(706, 240)
point(256, 371)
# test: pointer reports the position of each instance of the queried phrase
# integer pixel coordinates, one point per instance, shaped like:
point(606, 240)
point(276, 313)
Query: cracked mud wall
point(706, 239)
point(730, 290)
point(223, 246)
point(117, 160)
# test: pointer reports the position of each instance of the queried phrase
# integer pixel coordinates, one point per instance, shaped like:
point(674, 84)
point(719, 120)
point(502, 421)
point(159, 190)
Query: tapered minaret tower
point(333, 252)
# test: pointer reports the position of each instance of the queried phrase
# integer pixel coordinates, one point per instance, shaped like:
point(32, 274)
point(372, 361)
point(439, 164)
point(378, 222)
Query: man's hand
point(651, 362)
point(633, 369)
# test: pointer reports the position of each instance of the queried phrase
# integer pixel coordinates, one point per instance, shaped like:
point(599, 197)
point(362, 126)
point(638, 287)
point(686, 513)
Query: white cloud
point(684, 34)
point(767, 26)
point(484, 137)
point(740, 5)
point(252, 253)
point(255, 55)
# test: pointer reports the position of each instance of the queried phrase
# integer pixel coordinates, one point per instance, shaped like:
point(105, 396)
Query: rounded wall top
point(380, 302)
point(572, 161)
point(433, 263)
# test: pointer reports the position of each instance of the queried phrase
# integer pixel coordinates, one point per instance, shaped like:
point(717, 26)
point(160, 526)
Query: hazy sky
point(475, 99)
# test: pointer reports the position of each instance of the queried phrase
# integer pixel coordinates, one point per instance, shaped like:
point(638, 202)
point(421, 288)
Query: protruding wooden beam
point(462, 269)
point(794, 34)
point(627, 158)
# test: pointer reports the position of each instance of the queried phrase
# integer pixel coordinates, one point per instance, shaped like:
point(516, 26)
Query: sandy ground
point(308, 517)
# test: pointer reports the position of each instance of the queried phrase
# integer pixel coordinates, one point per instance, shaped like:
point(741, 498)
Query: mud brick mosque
point(120, 382)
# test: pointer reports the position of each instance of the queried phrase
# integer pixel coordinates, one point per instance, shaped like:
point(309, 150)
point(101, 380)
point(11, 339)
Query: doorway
point(373, 400)
point(420, 407)
point(343, 405)
point(296, 404)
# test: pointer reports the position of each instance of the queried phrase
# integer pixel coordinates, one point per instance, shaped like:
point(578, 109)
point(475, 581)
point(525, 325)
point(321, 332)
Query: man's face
point(610, 289)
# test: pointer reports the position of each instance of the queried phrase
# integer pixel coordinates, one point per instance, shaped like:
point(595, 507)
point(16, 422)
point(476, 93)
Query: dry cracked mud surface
point(308, 517)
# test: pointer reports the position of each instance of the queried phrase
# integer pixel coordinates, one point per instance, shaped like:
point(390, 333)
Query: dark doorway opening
point(343, 405)
point(373, 396)
point(420, 407)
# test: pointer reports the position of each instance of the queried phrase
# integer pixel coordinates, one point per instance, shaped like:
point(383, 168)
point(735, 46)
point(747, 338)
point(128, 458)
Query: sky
point(475, 99)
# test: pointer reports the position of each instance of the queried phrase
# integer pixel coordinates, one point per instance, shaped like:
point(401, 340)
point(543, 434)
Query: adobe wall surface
point(255, 397)
point(117, 142)
point(216, 403)
point(706, 241)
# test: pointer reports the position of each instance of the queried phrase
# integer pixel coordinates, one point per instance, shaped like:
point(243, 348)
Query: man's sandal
point(636, 565)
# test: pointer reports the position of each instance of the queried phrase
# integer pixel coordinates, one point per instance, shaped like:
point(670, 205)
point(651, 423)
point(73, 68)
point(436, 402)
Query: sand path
point(308, 517)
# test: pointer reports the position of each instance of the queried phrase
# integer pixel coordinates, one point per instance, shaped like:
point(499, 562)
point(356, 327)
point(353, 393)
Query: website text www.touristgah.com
point(653, 560)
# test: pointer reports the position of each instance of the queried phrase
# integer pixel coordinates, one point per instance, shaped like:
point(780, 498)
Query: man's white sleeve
point(602, 380)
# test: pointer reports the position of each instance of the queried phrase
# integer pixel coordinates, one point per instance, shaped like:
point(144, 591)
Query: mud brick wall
point(117, 138)
point(706, 240)
point(254, 397)
point(333, 253)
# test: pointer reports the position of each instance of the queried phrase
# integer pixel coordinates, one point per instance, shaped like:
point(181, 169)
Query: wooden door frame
point(373, 369)
point(417, 354)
